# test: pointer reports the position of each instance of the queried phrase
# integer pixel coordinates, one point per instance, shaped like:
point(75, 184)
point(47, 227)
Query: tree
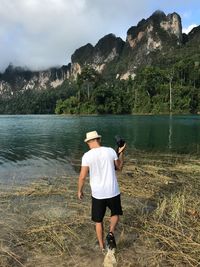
point(170, 76)
point(86, 80)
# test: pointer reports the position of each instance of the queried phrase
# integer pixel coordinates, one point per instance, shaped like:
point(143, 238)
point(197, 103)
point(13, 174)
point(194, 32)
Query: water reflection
point(170, 132)
point(35, 146)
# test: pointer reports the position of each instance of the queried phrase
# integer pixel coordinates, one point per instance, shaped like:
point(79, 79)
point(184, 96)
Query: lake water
point(33, 146)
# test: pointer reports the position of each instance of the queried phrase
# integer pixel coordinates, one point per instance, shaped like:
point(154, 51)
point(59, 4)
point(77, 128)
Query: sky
point(38, 34)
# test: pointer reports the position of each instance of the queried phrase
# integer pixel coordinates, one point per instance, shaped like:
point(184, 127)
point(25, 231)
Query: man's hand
point(121, 149)
point(119, 162)
point(81, 181)
point(80, 195)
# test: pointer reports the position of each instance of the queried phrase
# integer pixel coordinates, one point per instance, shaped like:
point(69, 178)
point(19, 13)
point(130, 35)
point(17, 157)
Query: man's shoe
point(110, 241)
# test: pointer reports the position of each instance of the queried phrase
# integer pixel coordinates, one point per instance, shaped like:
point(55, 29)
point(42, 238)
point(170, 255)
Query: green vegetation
point(172, 83)
point(154, 90)
point(35, 101)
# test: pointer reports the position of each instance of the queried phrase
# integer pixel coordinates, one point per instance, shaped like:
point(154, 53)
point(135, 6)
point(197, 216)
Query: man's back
point(103, 180)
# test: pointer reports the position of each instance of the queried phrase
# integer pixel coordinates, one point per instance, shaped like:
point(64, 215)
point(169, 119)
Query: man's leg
point(110, 239)
point(115, 206)
point(99, 232)
point(113, 222)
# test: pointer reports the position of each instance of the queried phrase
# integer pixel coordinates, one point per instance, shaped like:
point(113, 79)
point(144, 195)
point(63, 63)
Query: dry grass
point(166, 215)
point(45, 225)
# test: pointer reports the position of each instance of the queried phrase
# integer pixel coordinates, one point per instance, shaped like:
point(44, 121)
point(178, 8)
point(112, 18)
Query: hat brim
point(88, 139)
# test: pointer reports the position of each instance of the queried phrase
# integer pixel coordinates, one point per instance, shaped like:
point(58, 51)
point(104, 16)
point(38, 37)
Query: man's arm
point(81, 180)
point(120, 161)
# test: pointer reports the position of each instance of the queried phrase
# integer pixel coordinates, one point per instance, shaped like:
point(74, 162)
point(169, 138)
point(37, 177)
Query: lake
point(33, 146)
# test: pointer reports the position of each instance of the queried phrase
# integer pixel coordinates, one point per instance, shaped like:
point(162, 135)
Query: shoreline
point(44, 224)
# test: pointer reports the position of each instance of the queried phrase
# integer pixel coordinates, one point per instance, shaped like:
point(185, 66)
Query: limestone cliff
point(19, 79)
point(145, 42)
point(106, 50)
point(194, 36)
point(158, 33)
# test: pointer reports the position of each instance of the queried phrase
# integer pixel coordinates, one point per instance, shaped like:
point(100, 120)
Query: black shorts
point(99, 207)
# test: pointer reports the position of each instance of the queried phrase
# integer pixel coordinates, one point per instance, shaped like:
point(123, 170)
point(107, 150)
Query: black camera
point(120, 141)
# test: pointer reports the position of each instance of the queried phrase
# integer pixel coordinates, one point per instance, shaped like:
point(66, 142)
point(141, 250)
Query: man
point(101, 163)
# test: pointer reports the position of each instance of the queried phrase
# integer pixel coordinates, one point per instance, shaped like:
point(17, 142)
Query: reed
point(44, 224)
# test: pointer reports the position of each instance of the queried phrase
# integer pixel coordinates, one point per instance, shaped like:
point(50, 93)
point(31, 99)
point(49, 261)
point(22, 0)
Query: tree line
point(155, 89)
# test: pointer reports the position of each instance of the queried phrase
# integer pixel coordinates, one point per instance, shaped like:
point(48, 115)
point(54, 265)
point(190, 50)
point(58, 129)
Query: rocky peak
point(172, 24)
point(156, 30)
point(109, 42)
point(21, 79)
point(159, 32)
point(158, 16)
point(107, 49)
point(193, 37)
point(194, 34)
point(83, 54)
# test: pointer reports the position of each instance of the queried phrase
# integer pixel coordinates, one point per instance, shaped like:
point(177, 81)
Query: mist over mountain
point(155, 41)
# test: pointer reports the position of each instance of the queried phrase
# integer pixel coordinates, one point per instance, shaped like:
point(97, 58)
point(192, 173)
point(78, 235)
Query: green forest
point(154, 90)
point(172, 85)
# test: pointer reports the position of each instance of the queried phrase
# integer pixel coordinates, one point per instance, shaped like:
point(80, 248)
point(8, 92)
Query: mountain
point(107, 49)
point(145, 44)
point(157, 34)
point(194, 36)
point(19, 79)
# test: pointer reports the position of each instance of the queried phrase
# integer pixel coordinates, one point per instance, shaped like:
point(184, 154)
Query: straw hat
point(92, 135)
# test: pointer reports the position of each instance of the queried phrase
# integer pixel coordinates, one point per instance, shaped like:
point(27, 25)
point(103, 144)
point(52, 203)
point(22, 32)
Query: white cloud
point(43, 33)
point(189, 28)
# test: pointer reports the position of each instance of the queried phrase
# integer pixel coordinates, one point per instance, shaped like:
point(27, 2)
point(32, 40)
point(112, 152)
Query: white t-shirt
point(103, 179)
